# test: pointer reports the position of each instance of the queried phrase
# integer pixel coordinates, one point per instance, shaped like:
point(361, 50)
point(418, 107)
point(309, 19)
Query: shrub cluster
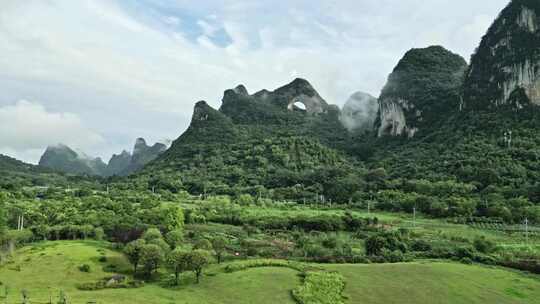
point(320, 288)
point(243, 265)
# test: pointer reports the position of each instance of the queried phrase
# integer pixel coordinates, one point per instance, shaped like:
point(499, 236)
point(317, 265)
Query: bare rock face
point(359, 112)
point(423, 88)
point(505, 70)
point(392, 118)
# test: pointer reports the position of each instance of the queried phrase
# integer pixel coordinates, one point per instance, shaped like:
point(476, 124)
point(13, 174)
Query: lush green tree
point(219, 244)
point(203, 244)
point(385, 241)
point(172, 218)
point(245, 200)
point(198, 260)
point(161, 243)
point(134, 251)
point(86, 231)
point(99, 234)
point(151, 257)
point(174, 238)
point(374, 245)
point(3, 219)
point(178, 261)
point(484, 245)
point(152, 234)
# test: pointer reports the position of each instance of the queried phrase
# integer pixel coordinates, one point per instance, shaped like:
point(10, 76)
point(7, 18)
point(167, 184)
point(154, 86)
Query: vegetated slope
point(52, 267)
point(490, 141)
point(256, 143)
point(15, 174)
point(11, 164)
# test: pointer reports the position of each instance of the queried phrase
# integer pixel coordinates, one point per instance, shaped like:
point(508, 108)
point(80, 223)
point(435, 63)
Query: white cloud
point(26, 127)
point(172, 20)
point(204, 41)
point(207, 28)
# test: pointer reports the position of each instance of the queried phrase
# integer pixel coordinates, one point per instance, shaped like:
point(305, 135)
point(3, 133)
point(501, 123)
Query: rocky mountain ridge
point(64, 159)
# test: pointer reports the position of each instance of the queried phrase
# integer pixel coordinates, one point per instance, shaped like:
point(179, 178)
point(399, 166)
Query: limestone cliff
point(422, 89)
point(505, 70)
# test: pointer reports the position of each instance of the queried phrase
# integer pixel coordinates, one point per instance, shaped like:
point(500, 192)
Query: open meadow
point(47, 269)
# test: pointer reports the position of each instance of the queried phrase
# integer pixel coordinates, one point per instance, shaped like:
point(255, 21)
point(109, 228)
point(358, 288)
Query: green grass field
point(432, 283)
point(47, 268)
point(54, 267)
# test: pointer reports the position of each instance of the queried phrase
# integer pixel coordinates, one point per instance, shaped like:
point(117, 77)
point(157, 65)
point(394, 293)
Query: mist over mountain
point(360, 112)
point(65, 159)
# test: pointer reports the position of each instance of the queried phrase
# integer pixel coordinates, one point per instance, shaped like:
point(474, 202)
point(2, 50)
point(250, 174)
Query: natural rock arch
point(297, 106)
point(311, 105)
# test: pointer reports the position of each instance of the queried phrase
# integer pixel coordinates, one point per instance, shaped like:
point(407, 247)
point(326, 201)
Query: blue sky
point(96, 74)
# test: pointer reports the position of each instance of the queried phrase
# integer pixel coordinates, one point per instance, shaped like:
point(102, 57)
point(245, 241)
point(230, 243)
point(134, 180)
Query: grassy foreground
point(54, 266)
point(436, 282)
point(46, 268)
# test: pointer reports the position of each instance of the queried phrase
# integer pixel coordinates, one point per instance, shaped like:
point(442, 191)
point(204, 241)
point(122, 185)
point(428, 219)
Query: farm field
point(511, 237)
point(47, 268)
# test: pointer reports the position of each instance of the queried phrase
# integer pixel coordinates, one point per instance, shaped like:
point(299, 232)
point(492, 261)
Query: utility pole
point(20, 222)
point(508, 138)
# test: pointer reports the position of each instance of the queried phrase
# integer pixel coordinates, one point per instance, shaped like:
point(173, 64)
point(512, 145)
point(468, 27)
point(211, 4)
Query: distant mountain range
point(64, 159)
